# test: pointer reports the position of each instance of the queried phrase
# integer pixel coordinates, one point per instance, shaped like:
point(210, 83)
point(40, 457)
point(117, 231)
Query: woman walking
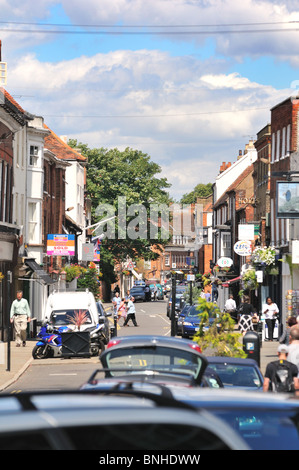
point(246, 313)
point(270, 311)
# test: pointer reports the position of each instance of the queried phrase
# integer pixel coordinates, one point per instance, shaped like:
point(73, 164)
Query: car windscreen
point(153, 358)
point(137, 289)
point(235, 375)
point(69, 316)
point(264, 429)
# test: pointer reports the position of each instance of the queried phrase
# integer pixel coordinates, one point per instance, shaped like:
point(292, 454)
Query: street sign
point(190, 277)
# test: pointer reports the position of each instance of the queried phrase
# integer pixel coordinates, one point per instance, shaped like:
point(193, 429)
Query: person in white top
point(230, 304)
point(270, 311)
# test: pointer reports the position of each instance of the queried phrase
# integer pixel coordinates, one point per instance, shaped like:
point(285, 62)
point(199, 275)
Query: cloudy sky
point(188, 82)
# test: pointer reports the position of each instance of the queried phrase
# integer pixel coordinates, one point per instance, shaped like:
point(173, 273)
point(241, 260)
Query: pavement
point(21, 358)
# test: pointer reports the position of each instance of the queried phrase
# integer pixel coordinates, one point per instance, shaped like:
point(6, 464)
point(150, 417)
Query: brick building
point(262, 181)
point(284, 167)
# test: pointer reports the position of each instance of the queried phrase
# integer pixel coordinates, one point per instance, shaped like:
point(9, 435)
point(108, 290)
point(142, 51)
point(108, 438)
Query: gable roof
point(234, 185)
point(62, 150)
point(12, 107)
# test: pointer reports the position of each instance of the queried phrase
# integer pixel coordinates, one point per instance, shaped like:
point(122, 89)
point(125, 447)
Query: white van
point(63, 306)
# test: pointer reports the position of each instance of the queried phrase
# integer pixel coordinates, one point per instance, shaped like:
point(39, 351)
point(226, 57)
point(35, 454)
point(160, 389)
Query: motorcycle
point(50, 341)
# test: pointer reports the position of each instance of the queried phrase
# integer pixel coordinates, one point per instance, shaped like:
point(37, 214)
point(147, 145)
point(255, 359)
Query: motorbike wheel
point(40, 352)
point(101, 347)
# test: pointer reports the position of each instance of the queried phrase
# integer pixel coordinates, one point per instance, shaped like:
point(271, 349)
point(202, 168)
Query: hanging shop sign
point(224, 262)
point(243, 248)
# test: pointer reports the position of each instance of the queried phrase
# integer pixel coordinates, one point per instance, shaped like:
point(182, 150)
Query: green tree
point(89, 280)
point(133, 175)
point(200, 190)
point(220, 336)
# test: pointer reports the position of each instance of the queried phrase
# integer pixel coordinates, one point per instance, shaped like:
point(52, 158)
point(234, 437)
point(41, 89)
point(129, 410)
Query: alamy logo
point(148, 221)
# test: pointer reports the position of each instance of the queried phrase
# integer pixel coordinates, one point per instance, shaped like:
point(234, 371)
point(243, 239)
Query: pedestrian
point(215, 290)
point(20, 315)
point(207, 295)
point(270, 311)
point(121, 313)
point(294, 345)
point(147, 293)
point(281, 376)
point(246, 314)
point(231, 307)
point(230, 304)
point(285, 337)
point(155, 292)
point(131, 311)
point(116, 302)
point(127, 297)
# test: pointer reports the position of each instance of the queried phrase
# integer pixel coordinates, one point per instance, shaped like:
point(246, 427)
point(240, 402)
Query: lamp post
point(173, 295)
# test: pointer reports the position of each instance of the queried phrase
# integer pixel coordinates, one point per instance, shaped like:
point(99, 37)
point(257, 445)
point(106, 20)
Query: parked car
point(63, 306)
point(154, 359)
point(146, 355)
point(179, 303)
point(180, 316)
point(160, 293)
point(138, 293)
point(104, 318)
point(237, 372)
point(125, 420)
point(266, 421)
point(189, 321)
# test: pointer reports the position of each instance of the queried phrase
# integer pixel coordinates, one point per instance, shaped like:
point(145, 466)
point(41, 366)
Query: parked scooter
point(50, 342)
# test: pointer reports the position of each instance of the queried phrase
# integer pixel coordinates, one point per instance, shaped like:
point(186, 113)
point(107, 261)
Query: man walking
point(294, 345)
point(131, 313)
point(281, 375)
point(19, 316)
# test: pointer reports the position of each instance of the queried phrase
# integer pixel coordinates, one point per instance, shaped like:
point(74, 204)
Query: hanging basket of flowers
point(264, 256)
point(249, 279)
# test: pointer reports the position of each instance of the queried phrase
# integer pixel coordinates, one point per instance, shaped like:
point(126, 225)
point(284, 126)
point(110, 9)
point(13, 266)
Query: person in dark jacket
point(246, 313)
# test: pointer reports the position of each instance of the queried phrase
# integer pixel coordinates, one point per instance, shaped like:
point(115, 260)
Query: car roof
point(234, 398)
point(231, 360)
point(146, 340)
point(57, 412)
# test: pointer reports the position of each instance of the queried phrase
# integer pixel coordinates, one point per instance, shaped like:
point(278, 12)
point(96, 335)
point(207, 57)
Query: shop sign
point(243, 248)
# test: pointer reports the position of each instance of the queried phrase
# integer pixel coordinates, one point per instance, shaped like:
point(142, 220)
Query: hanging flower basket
point(264, 256)
point(249, 280)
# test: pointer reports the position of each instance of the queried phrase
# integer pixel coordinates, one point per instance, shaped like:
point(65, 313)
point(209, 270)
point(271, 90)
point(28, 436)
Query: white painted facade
point(225, 179)
point(27, 201)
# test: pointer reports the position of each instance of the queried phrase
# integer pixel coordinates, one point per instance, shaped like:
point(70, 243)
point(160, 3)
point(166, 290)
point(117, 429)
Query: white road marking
point(63, 374)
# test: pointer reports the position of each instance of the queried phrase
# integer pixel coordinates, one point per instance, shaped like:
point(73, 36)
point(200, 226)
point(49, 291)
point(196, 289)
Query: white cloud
point(187, 122)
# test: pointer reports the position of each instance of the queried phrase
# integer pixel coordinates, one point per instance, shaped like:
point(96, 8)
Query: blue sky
point(190, 101)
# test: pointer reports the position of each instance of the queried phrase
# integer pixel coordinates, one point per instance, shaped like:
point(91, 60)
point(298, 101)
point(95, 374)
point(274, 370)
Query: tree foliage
point(112, 174)
point(220, 335)
point(200, 190)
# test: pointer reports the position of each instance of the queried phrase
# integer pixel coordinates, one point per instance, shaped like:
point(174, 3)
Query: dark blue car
point(238, 373)
point(189, 320)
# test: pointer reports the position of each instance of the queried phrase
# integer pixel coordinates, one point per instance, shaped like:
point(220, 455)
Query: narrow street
point(61, 374)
